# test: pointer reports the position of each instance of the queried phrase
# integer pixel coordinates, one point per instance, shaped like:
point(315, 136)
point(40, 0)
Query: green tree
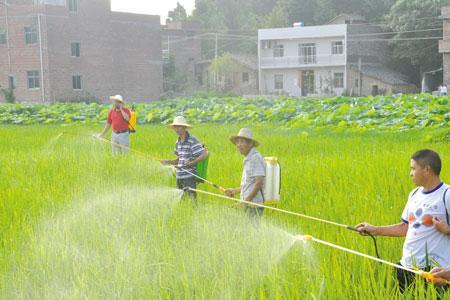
point(178, 14)
point(174, 80)
point(418, 49)
point(8, 94)
point(222, 69)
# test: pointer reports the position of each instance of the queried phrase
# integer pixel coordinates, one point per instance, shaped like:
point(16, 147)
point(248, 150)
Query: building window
point(307, 53)
point(76, 82)
point(73, 6)
point(34, 80)
point(356, 82)
point(278, 51)
point(338, 80)
point(337, 47)
point(2, 37)
point(267, 44)
point(12, 82)
point(278, 81)
point(31, 35)
point(245, 77)
point(75, 49)
point(165, 54)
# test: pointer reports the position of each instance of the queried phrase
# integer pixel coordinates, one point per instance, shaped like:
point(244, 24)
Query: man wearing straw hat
point(189, 152)
point(118, 119)
point(251, 189)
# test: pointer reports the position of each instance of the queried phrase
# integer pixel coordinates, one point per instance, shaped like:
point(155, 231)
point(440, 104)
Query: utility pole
point(360, 76)
point(216, 50)
point(8, 45)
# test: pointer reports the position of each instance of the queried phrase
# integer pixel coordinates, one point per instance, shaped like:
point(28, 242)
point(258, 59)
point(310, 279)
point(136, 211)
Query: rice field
point(77, 222)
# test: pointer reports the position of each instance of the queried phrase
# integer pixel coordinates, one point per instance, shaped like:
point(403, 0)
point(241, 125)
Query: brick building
point(181, 42)
point(76, 49)
point(242, 79)
point(444, 44)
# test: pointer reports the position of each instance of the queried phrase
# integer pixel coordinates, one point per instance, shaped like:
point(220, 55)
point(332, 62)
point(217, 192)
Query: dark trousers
point(190, 182)
point(253, 211)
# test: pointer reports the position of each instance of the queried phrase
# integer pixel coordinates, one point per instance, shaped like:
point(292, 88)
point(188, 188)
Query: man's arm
point(105, 130)
point(232, 192)
point(441, 226)
point(202, 156)
point(125, 115)
point(256, 188)
point(396, 230)
point(173, 162)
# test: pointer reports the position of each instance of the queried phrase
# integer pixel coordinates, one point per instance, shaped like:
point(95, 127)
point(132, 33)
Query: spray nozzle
point(304, 238)
point(431, 278)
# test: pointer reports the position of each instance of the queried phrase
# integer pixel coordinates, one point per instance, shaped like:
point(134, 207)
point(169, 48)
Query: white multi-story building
point(303, 61)
point(327, 60)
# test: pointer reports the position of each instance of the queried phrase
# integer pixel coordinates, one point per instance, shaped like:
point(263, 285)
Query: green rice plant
point(78, 222)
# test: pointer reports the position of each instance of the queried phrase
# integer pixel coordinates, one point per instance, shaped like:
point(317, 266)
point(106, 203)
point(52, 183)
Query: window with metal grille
point(34, 80)
point(245, 77)
point(73, 5)
point(338, 80)
point(278, 51)
point(279, 81)
point(31, 35)
point(11, 82)
point(307, 53)
point(76, 82)
point(3, 37)
point(75, 49)
point(337, 47)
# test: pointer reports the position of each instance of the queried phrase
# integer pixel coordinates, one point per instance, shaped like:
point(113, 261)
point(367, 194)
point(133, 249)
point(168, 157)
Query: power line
point(395, 32)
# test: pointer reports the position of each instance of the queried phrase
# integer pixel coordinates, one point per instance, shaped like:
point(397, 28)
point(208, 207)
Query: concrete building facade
point(322, 60)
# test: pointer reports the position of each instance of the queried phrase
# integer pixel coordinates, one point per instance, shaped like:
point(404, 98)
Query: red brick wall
point(120, 52)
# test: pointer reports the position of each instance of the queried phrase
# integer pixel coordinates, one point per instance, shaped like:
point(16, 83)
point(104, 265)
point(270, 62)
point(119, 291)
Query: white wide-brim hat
point(179, 121)
point(244, 133)
point(117, 98)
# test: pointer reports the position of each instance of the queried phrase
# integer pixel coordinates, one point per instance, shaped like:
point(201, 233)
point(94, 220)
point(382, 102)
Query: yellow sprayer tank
point(272, 184)
point(132, 122)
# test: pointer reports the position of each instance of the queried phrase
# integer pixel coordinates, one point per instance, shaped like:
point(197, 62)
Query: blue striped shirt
point(189, 150)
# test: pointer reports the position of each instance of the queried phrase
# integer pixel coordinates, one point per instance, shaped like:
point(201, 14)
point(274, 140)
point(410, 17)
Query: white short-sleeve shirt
point(423, 239)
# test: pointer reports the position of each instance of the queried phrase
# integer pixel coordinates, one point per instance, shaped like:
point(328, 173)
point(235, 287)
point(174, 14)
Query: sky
point(152, 7)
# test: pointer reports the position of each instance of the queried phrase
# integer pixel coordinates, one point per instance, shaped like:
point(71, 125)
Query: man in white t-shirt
point(425, 219)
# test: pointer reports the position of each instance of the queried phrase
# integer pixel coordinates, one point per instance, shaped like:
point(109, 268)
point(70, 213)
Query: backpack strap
point(445, 207)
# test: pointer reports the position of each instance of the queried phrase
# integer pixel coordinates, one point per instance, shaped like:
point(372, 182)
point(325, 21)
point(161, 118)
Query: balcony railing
point(302, 61)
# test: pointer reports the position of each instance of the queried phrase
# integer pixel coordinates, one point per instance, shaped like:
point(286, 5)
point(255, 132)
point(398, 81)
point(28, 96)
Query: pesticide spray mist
point(123, 234)
point(146, 243)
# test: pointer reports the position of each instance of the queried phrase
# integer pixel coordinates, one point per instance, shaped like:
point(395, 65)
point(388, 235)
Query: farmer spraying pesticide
point(189, 152)
point(425, 220)
point(118, 119)
point(252, 183)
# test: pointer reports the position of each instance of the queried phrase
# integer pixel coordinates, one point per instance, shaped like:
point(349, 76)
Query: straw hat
point(179, 121)
point(244, 133)
point(117, 98)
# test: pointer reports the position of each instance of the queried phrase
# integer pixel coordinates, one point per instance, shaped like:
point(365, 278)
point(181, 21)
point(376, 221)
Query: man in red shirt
point(118, 119)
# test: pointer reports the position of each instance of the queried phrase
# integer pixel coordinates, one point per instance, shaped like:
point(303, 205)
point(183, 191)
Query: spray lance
point(222, 189)
point(426, 275)
point(290, 213)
